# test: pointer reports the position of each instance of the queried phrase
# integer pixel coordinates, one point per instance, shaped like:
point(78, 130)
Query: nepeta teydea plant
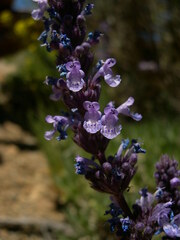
point(79, 87)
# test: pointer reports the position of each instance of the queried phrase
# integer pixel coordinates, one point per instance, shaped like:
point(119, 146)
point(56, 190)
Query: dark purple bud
point(139, 227)
point(97, 174)
point(86, 47)
point(107, 167)
point(133, 159)
point(175, 182)
point(171, 170)
point(81, 20)
point(79, 50)
point(148, 231)
point(125, 166)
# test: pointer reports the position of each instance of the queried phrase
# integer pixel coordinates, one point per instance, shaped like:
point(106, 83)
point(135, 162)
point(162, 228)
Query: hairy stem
point(124, 206)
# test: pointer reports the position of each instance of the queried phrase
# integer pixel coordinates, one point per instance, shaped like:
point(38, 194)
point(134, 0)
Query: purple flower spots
point(105, 70)
point(37, 14)
point(92, 117)
point(110, 127)
point(60, 124)
point(124, 109)
point(74, 76)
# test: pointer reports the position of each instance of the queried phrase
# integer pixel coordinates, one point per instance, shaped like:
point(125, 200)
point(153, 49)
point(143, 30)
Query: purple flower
point(160, 213)
point(146, 200)
point(105, 70)
point(110, 127)
point(60, 124)
point(124, 109)
point(74, 76)
point(173, 229)
point(37, 14)
point(92, 117)
point(83, 165)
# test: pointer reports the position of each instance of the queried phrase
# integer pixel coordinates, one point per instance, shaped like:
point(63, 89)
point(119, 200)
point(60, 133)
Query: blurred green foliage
point(143, 35)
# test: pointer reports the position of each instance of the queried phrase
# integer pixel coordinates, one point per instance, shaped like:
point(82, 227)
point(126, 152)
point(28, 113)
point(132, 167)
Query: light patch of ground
point(27, 190)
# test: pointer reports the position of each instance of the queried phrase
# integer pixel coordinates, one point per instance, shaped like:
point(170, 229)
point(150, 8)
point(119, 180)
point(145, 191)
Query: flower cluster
point(79, 87)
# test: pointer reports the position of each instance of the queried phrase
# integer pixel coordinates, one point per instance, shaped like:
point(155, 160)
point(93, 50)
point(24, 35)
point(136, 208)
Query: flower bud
point(86, 46)
point(107, 167)
point(139, 227)
point(148, 231)
point(133, 159)
point(79, 50)
point(175, 182)
point(97, 174)
point(81, 20)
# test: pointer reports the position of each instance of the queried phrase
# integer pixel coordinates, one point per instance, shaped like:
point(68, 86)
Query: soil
point(28, 195)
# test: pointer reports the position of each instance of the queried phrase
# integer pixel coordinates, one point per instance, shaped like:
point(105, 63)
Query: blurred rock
point(28, 194)
point(11, 133)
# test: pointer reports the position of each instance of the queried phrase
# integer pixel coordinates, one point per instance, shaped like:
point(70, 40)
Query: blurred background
point(41, 196)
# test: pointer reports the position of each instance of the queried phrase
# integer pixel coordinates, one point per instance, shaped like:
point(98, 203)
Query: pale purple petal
point(92, 123)
point(74, 77)
point(110, 132)
point(75, 84)
point(110, 128)
point(105, 70)
point(77, 65)
point(91, 105)
point(71, 65)
point(136, 116)
point(125, 110)
point(109, 109)
point(110, 62)
point(60, 118)
point(49, 119)
point(87, 105)
point(112, 81)
point(41, 3)
point(125, 105)
point(176, 219)
point(49, 134)
point(37, 14)
point(171, 230)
